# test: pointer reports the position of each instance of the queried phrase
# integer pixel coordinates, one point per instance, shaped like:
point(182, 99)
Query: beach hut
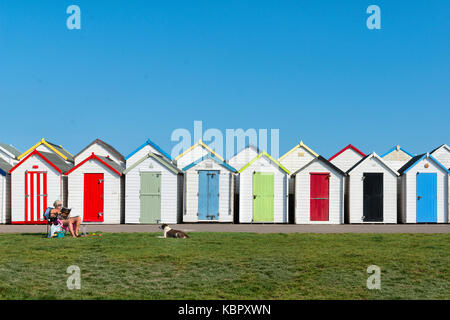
point(238, 161)
point(8, 158)
point(36, 182)
point(208, 190)
point(100, 148)
point(143, 150)
point(319, 193)
point(197, 151)
point(5, 192)
point(442, 154)
point(153, 190)
point(46, 146)
point(396, 157)
point(96, 188)
point(347, 157)
point(294, 159)
point(263, 191)
point(9, 154)
point(372, 191)
point(424, 190)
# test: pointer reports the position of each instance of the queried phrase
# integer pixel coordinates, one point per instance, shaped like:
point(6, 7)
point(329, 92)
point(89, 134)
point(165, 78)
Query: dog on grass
point(171, 233)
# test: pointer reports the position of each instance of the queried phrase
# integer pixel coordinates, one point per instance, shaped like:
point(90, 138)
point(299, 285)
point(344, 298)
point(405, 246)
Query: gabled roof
point(350, 146)
point(411, 163)
point(10, 149)
point(300, 145)
point(324, 161)
point(203, 145)
point(247, 146)
point(152, 144)
point(59, 150)
point(4, 167)
point(397, 147)
point(52, 159)
point(160, 159)
point(373, 155)
point(265, 154)
point(441, 146)
point(213, 157)
point(106, 161)
point(105, 145)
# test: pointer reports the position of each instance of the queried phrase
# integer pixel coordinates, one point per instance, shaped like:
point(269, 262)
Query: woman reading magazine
point(68, 223)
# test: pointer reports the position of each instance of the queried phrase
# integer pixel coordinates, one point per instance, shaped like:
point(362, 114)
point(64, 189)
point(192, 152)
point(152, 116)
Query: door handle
point(419, 197)
point(254, 196)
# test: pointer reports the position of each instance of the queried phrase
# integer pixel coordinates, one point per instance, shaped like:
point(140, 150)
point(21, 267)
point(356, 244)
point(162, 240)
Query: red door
point(35, 196)
point(320, 183)
point(93, 197)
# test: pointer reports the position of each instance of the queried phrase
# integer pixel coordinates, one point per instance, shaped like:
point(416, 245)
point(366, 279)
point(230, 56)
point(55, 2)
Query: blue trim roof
point(420, 158)
point(154, 145)
point(210, 156)
point(395, 148)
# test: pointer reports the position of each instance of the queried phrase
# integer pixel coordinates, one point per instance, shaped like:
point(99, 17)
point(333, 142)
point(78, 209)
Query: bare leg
point(70, 225)
point(77, 224)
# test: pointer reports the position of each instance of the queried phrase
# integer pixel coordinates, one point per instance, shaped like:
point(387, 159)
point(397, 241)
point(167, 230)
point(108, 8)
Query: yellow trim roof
point(264, 153)
point(47, 145)
point(300, 145)
point(202, 144)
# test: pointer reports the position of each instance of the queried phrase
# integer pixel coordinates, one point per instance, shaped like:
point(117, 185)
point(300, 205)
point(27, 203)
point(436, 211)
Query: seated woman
point(72, 224)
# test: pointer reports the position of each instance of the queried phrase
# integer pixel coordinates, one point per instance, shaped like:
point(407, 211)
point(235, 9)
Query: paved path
point(267, 228)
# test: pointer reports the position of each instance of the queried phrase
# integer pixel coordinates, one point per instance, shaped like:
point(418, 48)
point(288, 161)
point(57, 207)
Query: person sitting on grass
point(68, 223)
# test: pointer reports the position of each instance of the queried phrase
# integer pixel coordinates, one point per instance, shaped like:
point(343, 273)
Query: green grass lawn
point(226, 266)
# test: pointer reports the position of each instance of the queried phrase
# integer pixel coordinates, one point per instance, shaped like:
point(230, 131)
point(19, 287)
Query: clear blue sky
point(141, 69)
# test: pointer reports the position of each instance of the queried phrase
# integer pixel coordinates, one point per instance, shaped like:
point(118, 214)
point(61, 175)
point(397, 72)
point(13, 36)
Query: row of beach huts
point(148, 186)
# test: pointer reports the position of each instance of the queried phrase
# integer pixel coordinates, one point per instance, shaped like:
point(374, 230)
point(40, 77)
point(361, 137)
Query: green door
point(263, 197)
point(150, 196)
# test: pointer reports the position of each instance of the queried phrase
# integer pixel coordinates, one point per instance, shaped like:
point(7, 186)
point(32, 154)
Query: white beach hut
point(208, 190)
point(5, 192)
point(153, 190)
point(96, 188)
point(424, 190)
point(372, 191)
point(319, 193)
point(263, 191)
point(8, 158)
point(36, 182)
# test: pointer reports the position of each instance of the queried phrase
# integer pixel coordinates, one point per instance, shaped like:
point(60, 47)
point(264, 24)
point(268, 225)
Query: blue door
point(426, 197)
point(208, 195)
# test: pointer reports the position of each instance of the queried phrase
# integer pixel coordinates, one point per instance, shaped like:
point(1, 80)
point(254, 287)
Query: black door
point(373, 197)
